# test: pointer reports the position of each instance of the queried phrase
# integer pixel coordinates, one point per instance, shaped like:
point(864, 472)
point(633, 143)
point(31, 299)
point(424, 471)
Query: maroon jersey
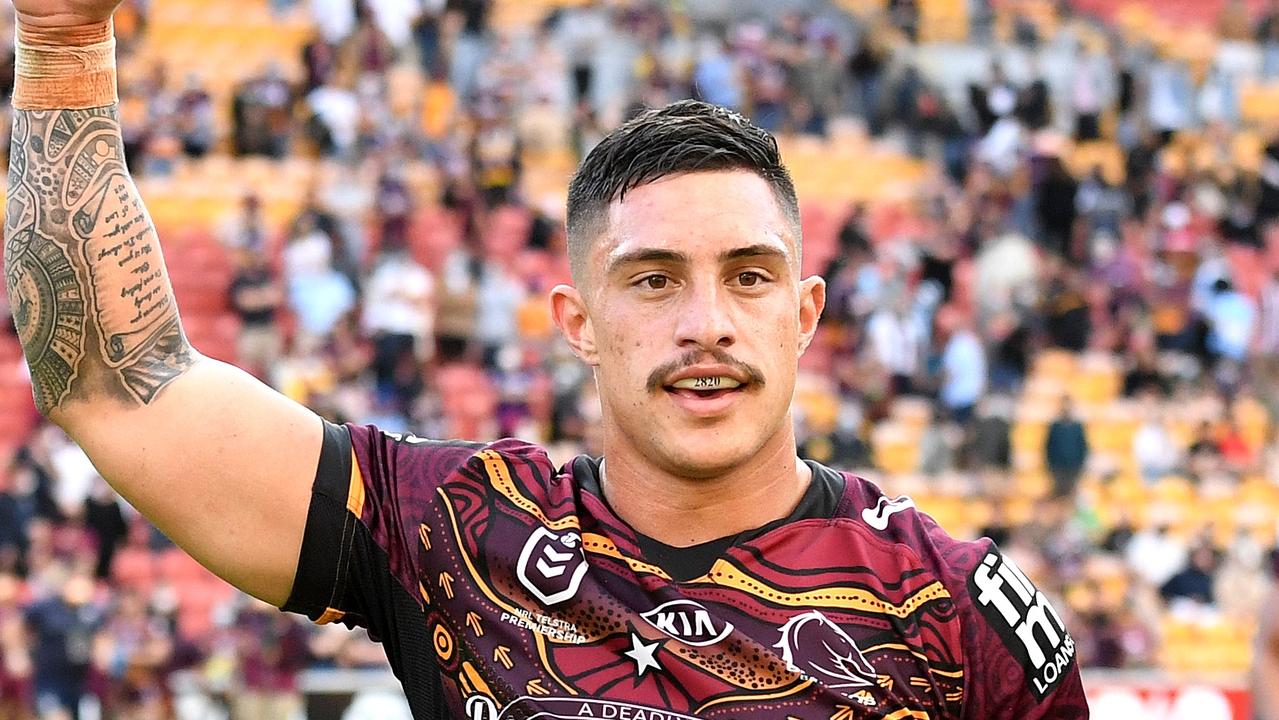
point(503, 587)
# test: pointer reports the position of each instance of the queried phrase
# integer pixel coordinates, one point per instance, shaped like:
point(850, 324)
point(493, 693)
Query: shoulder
point(1008, 626)
point(405, 467)
point(899, 521)
point(368, 438)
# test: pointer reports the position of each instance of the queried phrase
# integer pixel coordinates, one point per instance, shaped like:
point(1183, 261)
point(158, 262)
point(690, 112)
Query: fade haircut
point(684, 137)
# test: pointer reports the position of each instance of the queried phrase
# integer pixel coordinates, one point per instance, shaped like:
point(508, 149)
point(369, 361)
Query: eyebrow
point(756, 250)
point(659, 255)
point(643, 255)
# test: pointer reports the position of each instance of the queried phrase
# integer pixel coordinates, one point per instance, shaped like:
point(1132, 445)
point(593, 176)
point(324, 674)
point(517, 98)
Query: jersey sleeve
point(359, 548)
point(1019, 659)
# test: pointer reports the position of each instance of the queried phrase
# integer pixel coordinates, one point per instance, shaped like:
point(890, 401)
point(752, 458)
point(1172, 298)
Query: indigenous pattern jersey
point(503, 587)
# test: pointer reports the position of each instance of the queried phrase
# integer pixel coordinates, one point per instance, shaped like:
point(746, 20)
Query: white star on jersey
point(642, 653)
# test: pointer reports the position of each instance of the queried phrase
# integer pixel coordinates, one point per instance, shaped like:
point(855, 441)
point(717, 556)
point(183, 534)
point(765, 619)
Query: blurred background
point(1049, 230)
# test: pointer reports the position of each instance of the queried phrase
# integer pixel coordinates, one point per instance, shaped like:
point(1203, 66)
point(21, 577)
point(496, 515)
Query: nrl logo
point(552, 565)
point(689, 622)
point(813, 645)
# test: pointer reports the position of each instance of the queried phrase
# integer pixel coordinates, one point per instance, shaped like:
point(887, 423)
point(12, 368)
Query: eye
point(654, 282)
point(750, 279)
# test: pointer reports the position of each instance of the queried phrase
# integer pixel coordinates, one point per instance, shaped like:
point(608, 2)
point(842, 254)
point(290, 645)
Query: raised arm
point(219, 462)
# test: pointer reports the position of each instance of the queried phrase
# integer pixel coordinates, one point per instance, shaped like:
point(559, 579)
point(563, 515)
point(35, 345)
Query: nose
point(705, 319)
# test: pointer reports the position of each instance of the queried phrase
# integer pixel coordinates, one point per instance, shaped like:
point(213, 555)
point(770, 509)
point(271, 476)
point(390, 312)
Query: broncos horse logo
point(813, 645)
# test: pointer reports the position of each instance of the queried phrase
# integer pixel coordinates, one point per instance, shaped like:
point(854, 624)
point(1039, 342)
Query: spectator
point(1089, 93)
point(272, 649)
point(71, 472)
point(319, 61)
point(1057, 209)
point(1267, 350)
point(1204, 457)
point(819, 83)
point(498, 298)
point(866, 67)
point(399, 316)
point(262, 115)
point(394, 18)
point(1170, 97)
point(1156, 555)
point(897, 342)
point(195, 118)
point(905, 17)
point(335, 115)
point(1156, 453)
point(495, 159)
point(717, 79)
point(936, 454)
point(105, 521)
point(963, 366)
point(334, 18)
point(1232, 322)
point(133, 651)
point(16, 691)
point(1268, 37)
point(13, 524)
point(256, 298)
point(1103, 207)
point(455, 328)
point(1193, 585)
point(989, 446)
point(393, 206)
point(62, 627)
point(1066, 451)
point(1235, 449)
point(1068, 318)
point(318, 294)
point(245, 229)
point(1144, 376)
point(470, 46)
point(372, 50)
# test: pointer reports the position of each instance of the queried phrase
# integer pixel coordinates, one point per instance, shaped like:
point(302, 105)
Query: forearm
point(90, 294)
point(181, 437)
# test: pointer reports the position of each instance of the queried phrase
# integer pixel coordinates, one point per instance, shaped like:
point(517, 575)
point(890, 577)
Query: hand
point(53, 14)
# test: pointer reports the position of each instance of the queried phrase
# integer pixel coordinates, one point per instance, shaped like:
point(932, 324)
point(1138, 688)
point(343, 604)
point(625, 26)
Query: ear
point(812, 300)
point(570, 316)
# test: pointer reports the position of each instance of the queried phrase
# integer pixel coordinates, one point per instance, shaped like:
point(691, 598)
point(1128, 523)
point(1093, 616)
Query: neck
point(683, 511)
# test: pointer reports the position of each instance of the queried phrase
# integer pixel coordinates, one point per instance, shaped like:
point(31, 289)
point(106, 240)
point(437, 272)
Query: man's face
point(694, 316)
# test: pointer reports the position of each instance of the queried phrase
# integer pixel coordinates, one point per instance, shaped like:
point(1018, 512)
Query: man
point(963, 365)
point(62, 626)
point(701, 570)
point(1066, 451)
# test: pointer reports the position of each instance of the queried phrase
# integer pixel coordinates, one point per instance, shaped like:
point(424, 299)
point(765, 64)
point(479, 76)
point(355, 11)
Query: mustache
point(657, 379)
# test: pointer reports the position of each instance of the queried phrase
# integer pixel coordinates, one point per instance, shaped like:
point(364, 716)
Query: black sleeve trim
point(319, 586)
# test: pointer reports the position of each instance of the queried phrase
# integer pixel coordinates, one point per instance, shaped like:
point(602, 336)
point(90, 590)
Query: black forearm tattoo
point(90, 294)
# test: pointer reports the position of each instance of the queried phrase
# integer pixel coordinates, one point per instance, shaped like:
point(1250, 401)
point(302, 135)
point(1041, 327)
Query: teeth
point(708, 383)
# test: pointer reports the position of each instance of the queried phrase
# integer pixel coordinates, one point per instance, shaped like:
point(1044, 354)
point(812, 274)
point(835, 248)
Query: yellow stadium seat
point(1107, 155)
point(895, 448)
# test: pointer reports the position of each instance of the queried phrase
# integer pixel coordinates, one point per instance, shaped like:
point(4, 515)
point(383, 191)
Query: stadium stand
point(1095, 198)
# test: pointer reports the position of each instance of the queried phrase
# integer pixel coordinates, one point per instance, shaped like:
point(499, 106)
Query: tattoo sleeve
point(90, 294)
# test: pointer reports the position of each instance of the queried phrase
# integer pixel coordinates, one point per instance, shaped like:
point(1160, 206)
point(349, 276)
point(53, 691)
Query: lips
point(705, 405)
point(706, 391)
point(707, 383)
point(706, 377)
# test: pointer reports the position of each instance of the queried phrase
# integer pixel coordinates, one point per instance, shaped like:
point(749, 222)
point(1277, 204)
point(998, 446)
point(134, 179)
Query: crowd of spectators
point(1157, 261)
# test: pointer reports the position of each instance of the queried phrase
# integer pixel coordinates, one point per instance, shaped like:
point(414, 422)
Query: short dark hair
point(687, 136)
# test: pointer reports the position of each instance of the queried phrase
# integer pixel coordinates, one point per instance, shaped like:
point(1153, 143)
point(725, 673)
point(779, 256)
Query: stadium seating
point(227, 42)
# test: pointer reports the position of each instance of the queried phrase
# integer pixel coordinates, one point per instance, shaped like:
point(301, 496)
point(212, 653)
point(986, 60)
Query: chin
point(704, 454)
